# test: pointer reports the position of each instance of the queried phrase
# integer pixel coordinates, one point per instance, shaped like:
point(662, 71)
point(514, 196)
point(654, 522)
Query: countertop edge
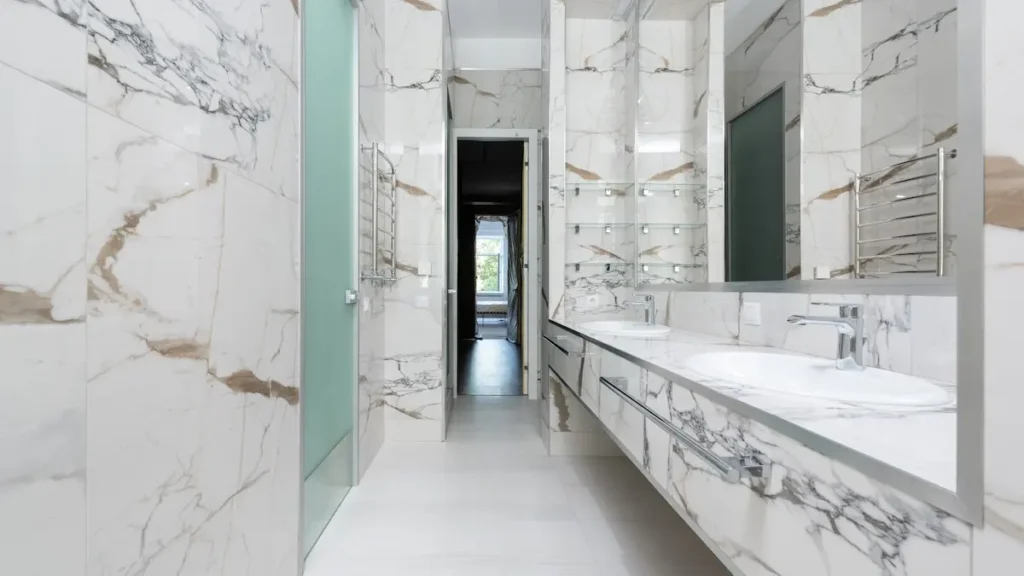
point(911, 485)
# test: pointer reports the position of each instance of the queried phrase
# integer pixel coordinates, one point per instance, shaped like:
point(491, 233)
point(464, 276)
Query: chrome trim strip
point(968, 211)
point(933, 286)
point(901, 480)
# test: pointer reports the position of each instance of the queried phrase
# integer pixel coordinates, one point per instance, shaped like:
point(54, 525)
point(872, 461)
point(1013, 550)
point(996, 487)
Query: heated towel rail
point(388, 272)
point(899, 218)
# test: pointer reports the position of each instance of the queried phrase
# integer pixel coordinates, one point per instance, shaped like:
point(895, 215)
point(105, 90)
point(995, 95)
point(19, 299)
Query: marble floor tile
point(491, 502)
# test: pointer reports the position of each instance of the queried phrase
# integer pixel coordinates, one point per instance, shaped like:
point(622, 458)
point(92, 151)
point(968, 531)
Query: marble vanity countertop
point(917, 441)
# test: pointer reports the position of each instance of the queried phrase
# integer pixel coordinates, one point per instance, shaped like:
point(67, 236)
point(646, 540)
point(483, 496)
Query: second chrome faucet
point(650, 309)
point(850, 324)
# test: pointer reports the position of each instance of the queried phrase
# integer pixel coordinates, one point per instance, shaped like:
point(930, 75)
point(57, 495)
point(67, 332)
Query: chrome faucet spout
point(650, 307)
point(850, 326)
point(843, 326)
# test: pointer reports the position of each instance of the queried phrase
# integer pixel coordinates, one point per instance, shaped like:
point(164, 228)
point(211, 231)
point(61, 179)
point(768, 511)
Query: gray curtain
point(515, 271)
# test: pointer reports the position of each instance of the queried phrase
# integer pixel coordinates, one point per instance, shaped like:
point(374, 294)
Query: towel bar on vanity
point(732, 468)
point(564, 351)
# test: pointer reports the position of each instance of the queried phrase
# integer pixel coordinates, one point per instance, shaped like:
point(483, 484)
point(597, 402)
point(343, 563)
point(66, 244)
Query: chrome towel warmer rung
point(389, 272)
point(865, 184)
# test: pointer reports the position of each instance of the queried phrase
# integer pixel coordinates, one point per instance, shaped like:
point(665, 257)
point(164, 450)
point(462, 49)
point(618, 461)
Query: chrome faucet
point(850, 325)
point(650, 308)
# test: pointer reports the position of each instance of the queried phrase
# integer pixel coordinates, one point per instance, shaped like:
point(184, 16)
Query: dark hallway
point(490, 184)
point(490, 368)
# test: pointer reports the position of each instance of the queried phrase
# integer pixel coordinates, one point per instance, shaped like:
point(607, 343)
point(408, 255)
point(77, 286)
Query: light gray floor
point(490, 502)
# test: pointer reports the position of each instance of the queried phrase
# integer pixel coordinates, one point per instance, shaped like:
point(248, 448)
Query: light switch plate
point(750, 314)
point(822, 273)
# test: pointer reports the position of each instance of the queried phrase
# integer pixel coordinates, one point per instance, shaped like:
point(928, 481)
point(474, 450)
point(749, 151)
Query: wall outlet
point(750, 314)
point(589, 301)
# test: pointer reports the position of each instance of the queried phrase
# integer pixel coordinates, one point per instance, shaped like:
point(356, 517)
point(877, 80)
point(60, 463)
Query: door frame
point(531, 279)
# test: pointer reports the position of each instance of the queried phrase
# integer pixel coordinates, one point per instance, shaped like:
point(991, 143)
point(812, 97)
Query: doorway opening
point(492, 241)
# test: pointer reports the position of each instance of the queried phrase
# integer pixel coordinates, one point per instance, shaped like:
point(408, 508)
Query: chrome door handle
point(451, 291)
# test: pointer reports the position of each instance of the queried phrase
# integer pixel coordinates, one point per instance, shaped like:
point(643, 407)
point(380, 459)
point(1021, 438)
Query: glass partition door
point(329, 317)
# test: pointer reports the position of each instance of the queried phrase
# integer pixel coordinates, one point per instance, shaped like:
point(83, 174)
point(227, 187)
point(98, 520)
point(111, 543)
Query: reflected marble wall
point(149, 281)
point(496, 99)
point(909, 102)
point(771, 58)
point(831, 124)
point(413, 391)
point(600, 77)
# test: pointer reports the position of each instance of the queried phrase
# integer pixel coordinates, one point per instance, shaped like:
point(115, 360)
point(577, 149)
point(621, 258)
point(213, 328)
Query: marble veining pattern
point(813, 516)
point(152, 150)
point(372, 335)
point(1001, 542)
point(413, 391)
point(496, 98)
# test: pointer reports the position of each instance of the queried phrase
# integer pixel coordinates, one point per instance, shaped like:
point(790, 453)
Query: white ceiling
point(495, 18)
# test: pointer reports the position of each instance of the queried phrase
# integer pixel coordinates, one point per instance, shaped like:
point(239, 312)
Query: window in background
point(491, 268)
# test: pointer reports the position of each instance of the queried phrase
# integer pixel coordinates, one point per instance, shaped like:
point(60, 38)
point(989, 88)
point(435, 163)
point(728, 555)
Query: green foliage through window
point(487, 275)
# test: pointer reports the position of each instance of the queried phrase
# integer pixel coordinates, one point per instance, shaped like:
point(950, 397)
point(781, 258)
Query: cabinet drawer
point(565, 362)
point(621, 417)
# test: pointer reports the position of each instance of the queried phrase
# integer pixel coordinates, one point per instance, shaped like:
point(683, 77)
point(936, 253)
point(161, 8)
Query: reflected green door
point(329, 206)
point(756, 193)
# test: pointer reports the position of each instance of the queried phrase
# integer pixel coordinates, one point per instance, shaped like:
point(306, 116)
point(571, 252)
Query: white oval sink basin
point(818, 378)
point(626, 328)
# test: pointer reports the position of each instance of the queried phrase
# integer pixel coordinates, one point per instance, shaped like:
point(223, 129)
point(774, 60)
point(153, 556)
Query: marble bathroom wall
point(993, 28)
point(709, 47)
point(413, 390)
point(496, 99)
point(372, 335)
point(671, 244)
point(149, 288)
point(554, 79)
point(768, 59)
point(908, 334)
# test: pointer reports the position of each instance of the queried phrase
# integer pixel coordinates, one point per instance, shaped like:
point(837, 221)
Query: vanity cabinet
point(766, 504)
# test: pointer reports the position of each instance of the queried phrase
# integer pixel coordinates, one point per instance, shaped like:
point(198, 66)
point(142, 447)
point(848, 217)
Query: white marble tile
point(814, 515)
point(496, 99)
point(715, 313)
point(46, 40)
point(42, 333)
point(209, 309)
point(217, 80)
point(1001, 542)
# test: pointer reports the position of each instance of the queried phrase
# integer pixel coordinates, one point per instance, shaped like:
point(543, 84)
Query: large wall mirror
point(827, 165)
